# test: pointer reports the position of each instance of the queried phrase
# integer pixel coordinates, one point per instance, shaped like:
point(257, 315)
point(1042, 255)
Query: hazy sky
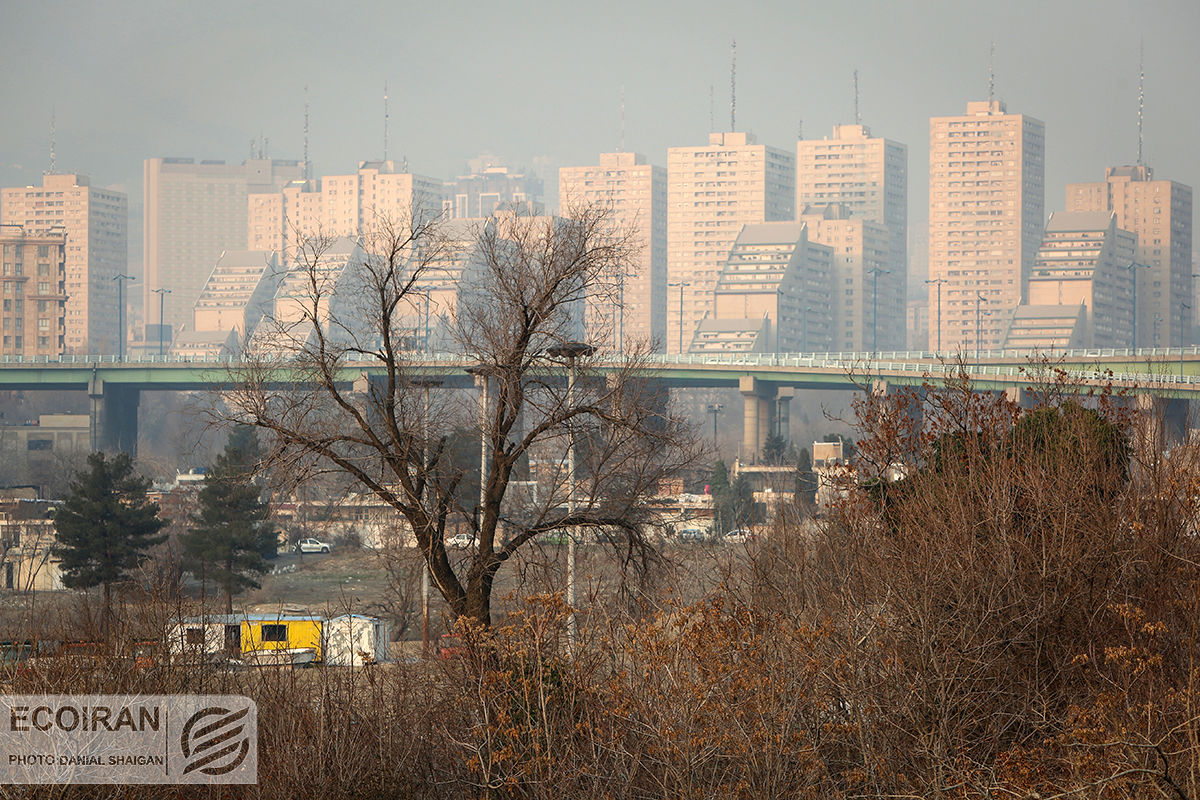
point(131, 80)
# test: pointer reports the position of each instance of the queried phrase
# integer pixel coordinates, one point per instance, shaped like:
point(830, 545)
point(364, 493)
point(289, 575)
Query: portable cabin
point(206, 636)
point(352, 640)
point(292, 632)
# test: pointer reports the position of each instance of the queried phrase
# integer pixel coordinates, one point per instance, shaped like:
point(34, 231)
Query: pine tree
point(231, 537)
point(105, 526)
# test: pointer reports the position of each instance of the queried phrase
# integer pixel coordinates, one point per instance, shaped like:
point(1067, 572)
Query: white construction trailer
point(351, 640)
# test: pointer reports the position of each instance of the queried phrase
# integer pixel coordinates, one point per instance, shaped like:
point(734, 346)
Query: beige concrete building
point(237, 294)
point(773, 273)
point(1083, 263)
point(193, 213)
point(490, 187)
point(986, 216)
point(635, 195)
point(866, 297)
point(712, 191)
point(1159, 212)
point(96, 223)
point(357, 204)
point(32, 311)
point(867, 177)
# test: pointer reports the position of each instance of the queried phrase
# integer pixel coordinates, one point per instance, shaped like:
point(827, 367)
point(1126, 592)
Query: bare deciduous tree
point(335, 377)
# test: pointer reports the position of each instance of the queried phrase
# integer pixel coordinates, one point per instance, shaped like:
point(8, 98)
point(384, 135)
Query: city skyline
point(203, 84)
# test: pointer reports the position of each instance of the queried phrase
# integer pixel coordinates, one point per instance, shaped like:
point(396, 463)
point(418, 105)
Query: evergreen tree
point(231, 538)
point(105, 526)
point(774, 449)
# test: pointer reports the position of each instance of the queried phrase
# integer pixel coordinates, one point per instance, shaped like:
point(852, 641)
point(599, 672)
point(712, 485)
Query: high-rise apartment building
point(32, 320)
point(712, 191)
point(491, 186)
point(986, 214)
point(866, 298)
point(772, 296)
point(338, 205)
point(634, 195)
point(96, 224)
point(193, 213)
point(1084, 262)
point(868, 177)
point(1159, 212)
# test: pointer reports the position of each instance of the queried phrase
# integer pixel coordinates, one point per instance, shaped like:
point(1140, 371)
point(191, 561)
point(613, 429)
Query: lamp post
point(162, 293)
point(714, 409)
point(875, 273)
point(1182, 308)
point(426, 384)
point(804, 328)
point(979, 298)
point(939, 282)
point(120, 279)
point(571, 351)
point(1133, 266)
point(680, 284)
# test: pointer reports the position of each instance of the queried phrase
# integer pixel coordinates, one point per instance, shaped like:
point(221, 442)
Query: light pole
point(162, 293)
point(1132, 266)
point(680, 284)
point(875, 273)
point(714, 409)
point(939, 282)
point(979, 298)
point(571, 351)
point(426, 384)
point(1157, 320)
point(804, 328)
point(1182, 308)
point(120, 279)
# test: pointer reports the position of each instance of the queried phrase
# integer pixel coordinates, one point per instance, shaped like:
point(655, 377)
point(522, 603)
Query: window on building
point(274, 633)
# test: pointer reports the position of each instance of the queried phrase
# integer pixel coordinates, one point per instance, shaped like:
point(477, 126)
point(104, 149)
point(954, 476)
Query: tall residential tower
point(712, 191)
point(986, 216)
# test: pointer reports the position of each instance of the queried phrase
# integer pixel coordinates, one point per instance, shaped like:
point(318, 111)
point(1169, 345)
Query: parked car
point(311, 545)
point(738, 536)
point(461, 541)
point(692, 535)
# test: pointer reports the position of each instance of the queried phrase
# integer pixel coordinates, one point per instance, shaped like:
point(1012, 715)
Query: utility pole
point(715, 409)
point(875, 273)
point(939, 282)
point(120, 279)
point(680, 284)
point(979, 298)
point(1133, 266)
point(162, 293)
point(571, 351)
point(426, 384)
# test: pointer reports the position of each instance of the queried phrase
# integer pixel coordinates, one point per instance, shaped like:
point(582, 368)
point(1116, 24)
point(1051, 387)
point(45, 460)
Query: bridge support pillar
point(758, 415)
point(113, 423)
point(1020, 396)
point(1163, 421)
point(783, 412)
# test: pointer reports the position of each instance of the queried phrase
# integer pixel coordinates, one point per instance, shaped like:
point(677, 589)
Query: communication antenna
point(307, 165)
point(991, 75)
point(733, 85)
point(1141, 99)
point(385, 120)
point(857, 115)
point(800, 130)
point(53, 117)
point(712, 123)
point(622, 118)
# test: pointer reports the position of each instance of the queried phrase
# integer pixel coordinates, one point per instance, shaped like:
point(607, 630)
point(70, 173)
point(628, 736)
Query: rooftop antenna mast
point(385, 120)
point(1141, 99)
point(857, 114)
point(307, 165)
point(53, 116)
point(622, 118)
point(800, 129)
point(992, 75)
point(712, 121)
point(733, 85)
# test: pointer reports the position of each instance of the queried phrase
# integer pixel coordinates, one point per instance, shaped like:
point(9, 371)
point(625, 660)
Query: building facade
point(986, 216)
point(491, 186)
point(866, 297)
point(1159, 212)
point(712, 191)
point(194, 211)
point(359, 204)
point(867, 177)
point(32, 311)
point(634, 194)
point(96, 225)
